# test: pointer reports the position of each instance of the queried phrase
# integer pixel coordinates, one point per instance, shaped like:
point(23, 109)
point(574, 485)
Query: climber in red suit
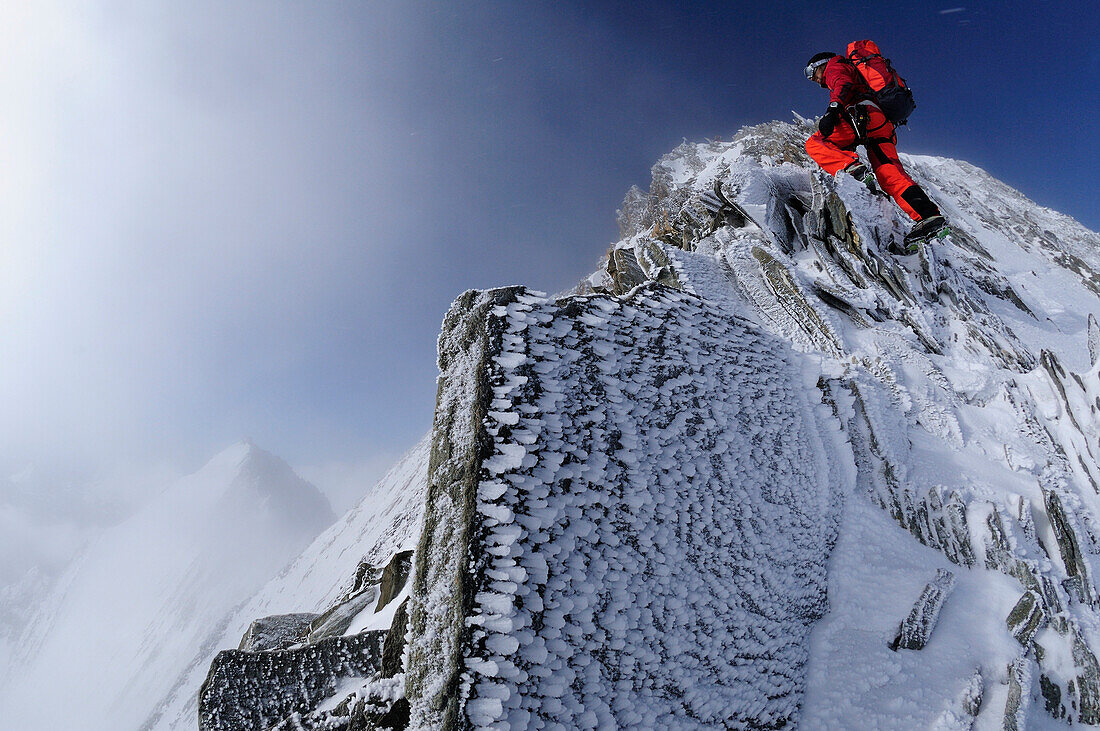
point(853, 119)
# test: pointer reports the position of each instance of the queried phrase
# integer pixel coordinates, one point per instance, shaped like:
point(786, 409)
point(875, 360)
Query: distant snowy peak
point(153, 592)
point(244, 474)
point(282, 490)
point(384, 523)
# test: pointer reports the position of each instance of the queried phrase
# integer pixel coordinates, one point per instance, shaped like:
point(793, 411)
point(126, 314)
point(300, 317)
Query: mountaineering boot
point(925, 229)
point(857, 170)
point(860, 172)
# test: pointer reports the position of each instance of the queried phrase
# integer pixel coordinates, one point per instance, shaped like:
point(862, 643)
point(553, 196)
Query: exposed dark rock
point(371, 586)
point(1087, 684)
point(397, 718)
point(1026, 618)
point(656, 264)
point(394, 578)
point(1058, 375)
point(837, 302)
point(1075, 697)
point(276, 632)
point(1094, 339)
point(366, 575)
point(1070, 548)
point(245, 691)
point(1052, 697)
point(916, 629)
point(625, 272)
point(395, 641)
point(1000, 554)
point(336, 620)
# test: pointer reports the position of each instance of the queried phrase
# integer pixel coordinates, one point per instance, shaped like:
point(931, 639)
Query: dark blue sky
point(248, 219)
point(543, 115)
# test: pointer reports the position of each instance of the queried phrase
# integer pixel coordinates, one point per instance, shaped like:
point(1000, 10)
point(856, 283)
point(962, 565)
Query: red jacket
point(845, 84)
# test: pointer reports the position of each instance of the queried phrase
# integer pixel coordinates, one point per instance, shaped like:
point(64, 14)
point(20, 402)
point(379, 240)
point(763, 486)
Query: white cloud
point(344, 483)
point(182, 189)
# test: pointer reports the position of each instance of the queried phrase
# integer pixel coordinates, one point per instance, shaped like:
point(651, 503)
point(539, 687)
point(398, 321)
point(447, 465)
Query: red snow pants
point(837, 151)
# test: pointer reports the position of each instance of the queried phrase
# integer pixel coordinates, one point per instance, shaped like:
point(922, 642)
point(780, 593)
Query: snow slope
point(144, 600)
point(45, 522)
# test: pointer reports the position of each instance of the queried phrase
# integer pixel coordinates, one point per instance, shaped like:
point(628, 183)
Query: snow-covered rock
point(761, 469)
point(643, 539)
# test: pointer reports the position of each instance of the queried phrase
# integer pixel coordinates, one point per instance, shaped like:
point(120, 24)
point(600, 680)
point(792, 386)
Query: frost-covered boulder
point(630, 510)
point(277, 632)
point(315, 670)
point(255, 690)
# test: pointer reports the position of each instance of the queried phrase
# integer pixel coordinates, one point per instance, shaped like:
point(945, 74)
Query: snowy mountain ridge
point(145, 599)
point(757, 471)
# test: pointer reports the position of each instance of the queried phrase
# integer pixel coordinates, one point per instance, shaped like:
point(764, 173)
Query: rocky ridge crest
point(764, 396)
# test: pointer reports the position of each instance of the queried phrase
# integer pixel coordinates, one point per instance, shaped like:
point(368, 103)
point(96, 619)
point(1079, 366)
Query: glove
point(829, 120)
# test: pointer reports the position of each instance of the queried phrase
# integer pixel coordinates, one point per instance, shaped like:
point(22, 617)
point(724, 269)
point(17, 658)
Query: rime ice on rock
point(255, 690)
point(916, 629)
point(646, 517)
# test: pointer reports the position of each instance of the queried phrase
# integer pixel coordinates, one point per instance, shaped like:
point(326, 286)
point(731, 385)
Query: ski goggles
point(810, 68)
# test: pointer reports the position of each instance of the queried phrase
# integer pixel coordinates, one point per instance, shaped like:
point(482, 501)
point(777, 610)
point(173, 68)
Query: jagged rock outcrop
point(287, 664)
point(256, 690)
point(1026, 618)
point(609, 468)
point(277, 631)
point(916, 628)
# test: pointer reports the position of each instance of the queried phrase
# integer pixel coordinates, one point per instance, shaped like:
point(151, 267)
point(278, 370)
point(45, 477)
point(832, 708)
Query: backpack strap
point(864, 59)
point(868, 94)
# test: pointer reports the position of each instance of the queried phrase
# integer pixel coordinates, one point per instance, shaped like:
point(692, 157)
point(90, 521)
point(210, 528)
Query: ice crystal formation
point(761, 469)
